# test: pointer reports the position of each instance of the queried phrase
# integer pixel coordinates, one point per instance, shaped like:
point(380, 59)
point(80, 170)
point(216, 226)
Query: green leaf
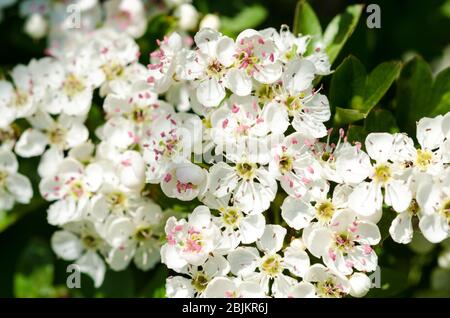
point(353, 93)
point(379, 81)
point(306, 21)
point(247, 18)
point(347, 82)
point(340, 29)
point(346, 116)
point(34, 274)
point(413, 94)
point(381, 120)
point(440, 97)
point(117, 284)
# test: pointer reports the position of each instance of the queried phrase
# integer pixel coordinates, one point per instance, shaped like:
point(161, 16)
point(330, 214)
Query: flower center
point(344, 242)
point(214, 68)
point(325, 211)
point(89, 241)
point(271, 265)
point(57, 136)
point(382, 173)
point(112, 71)
point(76, 189)
point(73, 85)
point(413, 208)
point(21, 98)
point(143, 234)
point(329, 288)
point(294, 103)
point(200, 281)
point(286, 163)
point(116, 198)
point(232, 217)
point(423, 159)
point(246, 170)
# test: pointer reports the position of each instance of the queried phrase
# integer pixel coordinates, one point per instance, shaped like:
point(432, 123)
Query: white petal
point(401, 229)
point(398, 195)
point(92, 264)
point(380, 146)
point(210, 92)
point(179, 287)
point(429, 132)
point(298, 75)
point(252, 228)
point(243, 260)
point(360, 284)
point(31, 143)
point(297, 213)
point(366, 199)
point(434, 227)
point(239, 82)
point(66, 245)
point(272, 239)
point(19, 186)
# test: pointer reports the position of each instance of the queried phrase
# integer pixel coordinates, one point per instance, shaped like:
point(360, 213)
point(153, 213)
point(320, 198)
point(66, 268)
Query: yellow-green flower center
point(231, 216)
point(324, 211)
point(246, 170)
point(199, 282)
point(423, 159)
point(286, 163)
point(271, 265)
point(382, 173)
point(73, 85)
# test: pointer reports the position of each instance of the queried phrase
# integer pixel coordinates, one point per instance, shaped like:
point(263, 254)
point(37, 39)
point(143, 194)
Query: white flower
point(126, 16)
point(14, 187)
point(208, 65)
point(80, 243)
point(237, 227)
point(199, 278)
point(294, 166)
point(252, 186)
point(72, 185)
point(225, 287)
point(187, 16)
point(328, 283)
point(299, 212)
point(210, 21)
point(164, 62)
point(75, 86)
point(245, 260)
point(170, 141)
point(367, 197)
point(143, 243)
point(184, 181)
point(18, 100)
point(62, 134)
point(189, 242)
point(256, 57)
point(242, 127)
point(434, 200)
point(345, 244)
point(36, 26)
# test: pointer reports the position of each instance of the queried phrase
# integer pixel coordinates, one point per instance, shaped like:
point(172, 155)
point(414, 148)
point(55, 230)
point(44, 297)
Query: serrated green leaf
point(306, 20)
point(340, 29)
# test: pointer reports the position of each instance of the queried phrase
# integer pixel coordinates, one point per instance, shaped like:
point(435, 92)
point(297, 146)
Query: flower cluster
point(237, 128)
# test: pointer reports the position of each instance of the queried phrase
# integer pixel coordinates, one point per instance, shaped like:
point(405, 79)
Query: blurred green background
point(28, 268)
